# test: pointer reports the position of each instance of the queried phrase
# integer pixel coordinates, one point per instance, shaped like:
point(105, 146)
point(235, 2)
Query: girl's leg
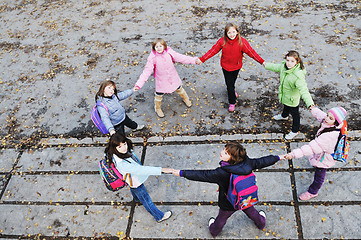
point(216, 227)
point(183, 94)
point(257, 218)
point(320, 174)
point(230, 79)
point(158, 97)
point(143, 196)
point(286, 111)
point(120, 128)
point(296, 120)
point(129, 123)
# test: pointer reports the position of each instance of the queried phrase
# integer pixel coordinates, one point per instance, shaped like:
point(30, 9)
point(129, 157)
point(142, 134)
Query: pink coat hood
point(166, 77)
point(321, 148)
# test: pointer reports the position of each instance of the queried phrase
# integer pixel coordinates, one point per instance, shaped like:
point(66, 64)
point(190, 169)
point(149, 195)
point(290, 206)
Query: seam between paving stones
point(295, 203)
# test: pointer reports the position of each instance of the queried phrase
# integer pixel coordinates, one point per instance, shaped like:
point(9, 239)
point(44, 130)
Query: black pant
point(295, 113)
point(126, 122)
point(230, 79)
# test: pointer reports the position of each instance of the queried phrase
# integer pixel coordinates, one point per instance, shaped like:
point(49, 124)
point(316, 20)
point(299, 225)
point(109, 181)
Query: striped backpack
point(96, 117)
point(343, 145)
point(242, 191)
point(112, 178)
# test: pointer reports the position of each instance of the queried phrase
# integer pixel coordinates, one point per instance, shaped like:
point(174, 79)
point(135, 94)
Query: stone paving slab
point(7, 159)
point(62, 188)
point(63, 221)
point(274, 186)
point(63, 159)
point(206, 156)
point(191, 222)
point(338, 186)
point(331, 222)
point(353, 159)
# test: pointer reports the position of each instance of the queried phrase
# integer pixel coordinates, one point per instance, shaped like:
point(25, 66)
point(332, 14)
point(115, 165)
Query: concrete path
point(56, 191)
point(53, 57)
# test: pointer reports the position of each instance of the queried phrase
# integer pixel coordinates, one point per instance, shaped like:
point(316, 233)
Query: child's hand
point(136, 88)
point(282, 157)
point(167, 170)
point(198, 61)
point(176, 172)
point(288, 156)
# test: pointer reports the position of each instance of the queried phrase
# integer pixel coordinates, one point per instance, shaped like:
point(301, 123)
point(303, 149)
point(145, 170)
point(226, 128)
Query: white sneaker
point(279, 117)
point(167, 215)
point(262, 213)
point(140, 127)
point(211, 221)
point(291, 135)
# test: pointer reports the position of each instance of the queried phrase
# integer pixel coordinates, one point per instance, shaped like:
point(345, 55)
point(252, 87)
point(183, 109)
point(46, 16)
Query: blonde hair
point(226, 29)
point(161, 41)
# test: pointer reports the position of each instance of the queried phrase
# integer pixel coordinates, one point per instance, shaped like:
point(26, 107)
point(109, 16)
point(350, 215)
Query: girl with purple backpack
point(111, 111)
point(234, 160)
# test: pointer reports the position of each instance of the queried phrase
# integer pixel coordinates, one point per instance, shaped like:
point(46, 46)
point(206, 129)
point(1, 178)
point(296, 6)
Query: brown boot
point(158, 104)
point(184, 96)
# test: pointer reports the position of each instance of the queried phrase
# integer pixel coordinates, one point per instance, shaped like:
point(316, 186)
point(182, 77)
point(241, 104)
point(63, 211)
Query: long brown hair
point(236, 151)
point(115, 140)
point(296, 56)
point(226, 29)
point(102, 87)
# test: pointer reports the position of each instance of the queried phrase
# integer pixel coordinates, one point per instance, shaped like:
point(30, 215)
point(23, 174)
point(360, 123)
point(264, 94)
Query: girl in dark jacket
point(234, 160)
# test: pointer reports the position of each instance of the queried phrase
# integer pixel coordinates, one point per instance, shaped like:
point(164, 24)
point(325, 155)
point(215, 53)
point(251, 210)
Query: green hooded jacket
point(293, 85)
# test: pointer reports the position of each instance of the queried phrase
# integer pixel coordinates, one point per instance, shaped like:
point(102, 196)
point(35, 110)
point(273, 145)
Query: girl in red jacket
point(233, 46)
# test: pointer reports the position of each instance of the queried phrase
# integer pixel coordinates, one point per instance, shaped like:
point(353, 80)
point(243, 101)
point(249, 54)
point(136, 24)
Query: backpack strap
point(99, 103)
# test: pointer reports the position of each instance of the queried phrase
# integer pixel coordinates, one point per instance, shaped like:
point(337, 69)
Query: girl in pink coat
point(321, 148)
point(161, 62)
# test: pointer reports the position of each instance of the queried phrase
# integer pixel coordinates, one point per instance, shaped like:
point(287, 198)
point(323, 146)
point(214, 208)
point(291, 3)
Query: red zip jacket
point(232, 53)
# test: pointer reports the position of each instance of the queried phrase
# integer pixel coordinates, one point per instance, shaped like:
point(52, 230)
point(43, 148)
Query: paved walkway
point(55, 191)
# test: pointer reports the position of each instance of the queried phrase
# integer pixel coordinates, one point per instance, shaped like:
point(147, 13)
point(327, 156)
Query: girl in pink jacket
point(321, 148)
point(161, 62)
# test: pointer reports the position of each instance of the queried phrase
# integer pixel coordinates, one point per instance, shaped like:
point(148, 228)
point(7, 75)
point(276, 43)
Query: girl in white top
point(120, 152)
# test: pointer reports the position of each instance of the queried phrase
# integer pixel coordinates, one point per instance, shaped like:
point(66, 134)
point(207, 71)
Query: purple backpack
point(96, 117)
point(242, 191)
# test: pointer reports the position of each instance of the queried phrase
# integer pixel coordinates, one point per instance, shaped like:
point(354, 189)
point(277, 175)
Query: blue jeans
point(140, 194)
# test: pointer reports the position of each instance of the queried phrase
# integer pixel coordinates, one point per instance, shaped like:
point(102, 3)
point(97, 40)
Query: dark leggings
point(230, 79)
point(318, 180)
point(223, 216)
point(126, 122)
point(295, 113)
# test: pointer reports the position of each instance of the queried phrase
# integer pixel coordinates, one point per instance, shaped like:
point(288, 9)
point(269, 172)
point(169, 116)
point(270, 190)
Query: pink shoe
point(307, 196)
point(231, 107)
point(236, 94)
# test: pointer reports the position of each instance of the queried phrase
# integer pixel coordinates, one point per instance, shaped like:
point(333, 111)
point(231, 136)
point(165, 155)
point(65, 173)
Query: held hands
point(311, 107)
point(136, 88)
point(198, 61)
point(287, 156)
point(171, 170)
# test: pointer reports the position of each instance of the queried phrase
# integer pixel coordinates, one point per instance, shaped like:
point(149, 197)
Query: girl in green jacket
point(292, 87)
